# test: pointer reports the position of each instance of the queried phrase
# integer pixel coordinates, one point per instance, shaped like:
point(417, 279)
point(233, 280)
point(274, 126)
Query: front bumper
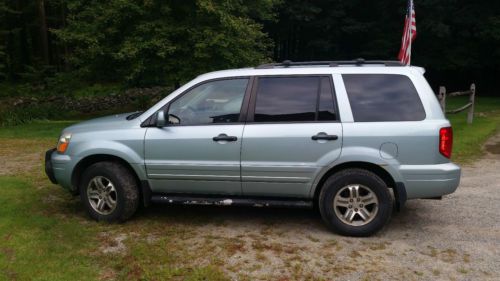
point(49, 169)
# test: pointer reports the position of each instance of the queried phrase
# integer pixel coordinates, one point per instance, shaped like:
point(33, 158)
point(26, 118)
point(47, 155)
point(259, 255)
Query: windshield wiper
point(134, 115)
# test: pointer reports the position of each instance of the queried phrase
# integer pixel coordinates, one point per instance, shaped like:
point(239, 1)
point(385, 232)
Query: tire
point(355, 202)
point(114, 186)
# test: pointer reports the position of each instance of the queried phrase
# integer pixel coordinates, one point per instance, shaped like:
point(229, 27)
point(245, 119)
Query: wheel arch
point(374, 168)
point(84, 163)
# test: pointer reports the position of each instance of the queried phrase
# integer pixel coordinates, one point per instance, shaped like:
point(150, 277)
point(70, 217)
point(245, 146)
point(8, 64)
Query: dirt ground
point(457, 238)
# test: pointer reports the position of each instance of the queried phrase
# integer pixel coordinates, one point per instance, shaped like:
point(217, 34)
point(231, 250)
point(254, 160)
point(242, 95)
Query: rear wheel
point(355, 202)
point(109, 192)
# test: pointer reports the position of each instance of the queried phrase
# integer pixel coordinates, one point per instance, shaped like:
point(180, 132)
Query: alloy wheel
point(355, 205)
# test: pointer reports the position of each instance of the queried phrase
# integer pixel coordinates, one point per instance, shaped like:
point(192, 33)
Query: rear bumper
point(428, 181)
point(49, 169)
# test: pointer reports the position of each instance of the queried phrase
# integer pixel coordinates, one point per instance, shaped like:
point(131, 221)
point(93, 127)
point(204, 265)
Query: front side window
point(326, 107)
point(212, 102)
point(294, 99)
point(383, 97)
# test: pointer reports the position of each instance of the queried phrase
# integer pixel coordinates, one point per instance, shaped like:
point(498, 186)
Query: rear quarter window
point(383, 97)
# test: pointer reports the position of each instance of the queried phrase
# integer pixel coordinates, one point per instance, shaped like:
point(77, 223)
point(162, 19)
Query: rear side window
point(294, 99)
point(383, 97)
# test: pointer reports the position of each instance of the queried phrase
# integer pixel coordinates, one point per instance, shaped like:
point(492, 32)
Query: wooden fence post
point(442, 98)
point(470, 114)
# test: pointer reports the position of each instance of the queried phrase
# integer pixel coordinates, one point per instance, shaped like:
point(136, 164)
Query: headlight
point(63, 143)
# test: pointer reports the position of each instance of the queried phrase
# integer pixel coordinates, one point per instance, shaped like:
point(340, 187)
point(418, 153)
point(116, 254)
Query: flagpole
point(411, 31)
point(408, 35)
point(409, 57)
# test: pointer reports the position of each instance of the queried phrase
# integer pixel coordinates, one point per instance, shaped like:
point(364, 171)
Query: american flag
point(409, 34)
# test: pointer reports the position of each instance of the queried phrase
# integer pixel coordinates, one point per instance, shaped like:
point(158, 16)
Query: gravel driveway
point(457, 238)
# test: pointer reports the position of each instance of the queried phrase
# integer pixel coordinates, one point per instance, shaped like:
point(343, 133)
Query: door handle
point(324, 136)
point(224, 137)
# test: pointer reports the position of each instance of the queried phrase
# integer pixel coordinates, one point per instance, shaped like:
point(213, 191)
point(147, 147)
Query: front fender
point(115, 148)
point(131, 152)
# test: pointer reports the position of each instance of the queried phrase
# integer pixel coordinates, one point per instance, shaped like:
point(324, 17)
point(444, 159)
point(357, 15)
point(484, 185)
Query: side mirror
point(173, 119)
point(160, 119)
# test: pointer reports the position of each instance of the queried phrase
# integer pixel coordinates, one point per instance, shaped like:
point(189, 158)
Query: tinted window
point(286, 99)
point(326, 110)
point(383, 97)
point(212, 102)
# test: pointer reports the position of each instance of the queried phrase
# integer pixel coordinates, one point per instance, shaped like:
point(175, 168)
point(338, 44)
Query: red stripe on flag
point(409, 34)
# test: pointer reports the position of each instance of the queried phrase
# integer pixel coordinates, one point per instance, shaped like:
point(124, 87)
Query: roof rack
point(356, 62)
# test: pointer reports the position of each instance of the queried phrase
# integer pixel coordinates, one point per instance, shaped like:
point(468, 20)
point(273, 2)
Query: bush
point(15, 90)
point(84, 102)
point(22, 115)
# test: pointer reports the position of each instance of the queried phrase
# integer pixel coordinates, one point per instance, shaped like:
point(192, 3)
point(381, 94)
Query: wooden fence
point(470, 105)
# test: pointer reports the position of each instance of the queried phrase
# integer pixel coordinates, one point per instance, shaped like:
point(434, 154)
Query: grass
point(33, 243)
point(40, 240)
point(469, 138)
point(45, 235)
point(35, 129)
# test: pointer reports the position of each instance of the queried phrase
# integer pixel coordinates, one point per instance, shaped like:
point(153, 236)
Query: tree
point(156, 42)
point(151, 42)
point(3, 56)
point(457, 40)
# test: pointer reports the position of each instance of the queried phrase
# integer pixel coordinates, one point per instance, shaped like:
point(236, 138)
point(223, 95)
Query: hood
point(102, 123)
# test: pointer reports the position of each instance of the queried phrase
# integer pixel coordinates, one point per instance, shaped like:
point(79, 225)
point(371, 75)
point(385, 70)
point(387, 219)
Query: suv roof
point(317, 67)
point(356, 62)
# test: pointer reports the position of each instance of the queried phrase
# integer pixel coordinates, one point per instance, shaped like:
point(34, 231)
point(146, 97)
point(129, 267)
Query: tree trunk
point(65, 45)
point(22, 57)
point(43, 31)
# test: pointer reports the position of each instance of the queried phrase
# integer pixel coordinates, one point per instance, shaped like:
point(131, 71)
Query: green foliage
point(456, 39)
point(12, 90)
point(3, 55)
point(2, 63)
point(30, 113)
point(96, 90)
point(155, 42)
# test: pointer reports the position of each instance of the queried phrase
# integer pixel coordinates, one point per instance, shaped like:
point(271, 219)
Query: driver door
point(199, 152)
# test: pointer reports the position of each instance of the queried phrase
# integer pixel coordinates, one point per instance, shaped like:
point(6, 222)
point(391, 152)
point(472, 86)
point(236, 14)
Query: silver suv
point(353, 138)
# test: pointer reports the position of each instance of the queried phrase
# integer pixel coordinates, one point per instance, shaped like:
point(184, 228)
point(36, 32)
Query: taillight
point(445, 141)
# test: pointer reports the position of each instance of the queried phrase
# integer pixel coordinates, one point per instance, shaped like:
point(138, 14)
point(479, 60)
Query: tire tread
point(125, 182)
point(340, 178)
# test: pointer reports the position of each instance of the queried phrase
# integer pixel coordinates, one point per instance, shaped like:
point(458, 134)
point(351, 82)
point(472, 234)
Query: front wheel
point(109, 192)
point(355, 202)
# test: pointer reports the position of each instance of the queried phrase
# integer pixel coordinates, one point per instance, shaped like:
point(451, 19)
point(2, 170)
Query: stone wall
point(140, 97)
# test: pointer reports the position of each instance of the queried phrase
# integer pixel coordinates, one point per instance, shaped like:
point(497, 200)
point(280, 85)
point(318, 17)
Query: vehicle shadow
point(215, 214)
point(308, 220)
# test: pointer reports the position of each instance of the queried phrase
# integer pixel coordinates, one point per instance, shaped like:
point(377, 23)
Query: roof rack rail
point(356, 62)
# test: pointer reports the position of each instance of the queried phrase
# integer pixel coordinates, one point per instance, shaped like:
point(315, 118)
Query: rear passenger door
point(292, 130)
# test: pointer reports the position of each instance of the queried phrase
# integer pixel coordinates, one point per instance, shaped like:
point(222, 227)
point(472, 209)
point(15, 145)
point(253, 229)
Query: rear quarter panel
point(398, 147)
